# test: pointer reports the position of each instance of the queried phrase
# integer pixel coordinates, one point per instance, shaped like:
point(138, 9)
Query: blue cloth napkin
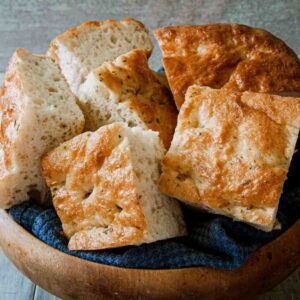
point(213, 241)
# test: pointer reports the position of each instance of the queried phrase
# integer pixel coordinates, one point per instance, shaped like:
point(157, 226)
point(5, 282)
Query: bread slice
point(128, 90)
point(107, 195)
point(231, 152)
point(86, 47)
point(233, 56)
point(38, 112)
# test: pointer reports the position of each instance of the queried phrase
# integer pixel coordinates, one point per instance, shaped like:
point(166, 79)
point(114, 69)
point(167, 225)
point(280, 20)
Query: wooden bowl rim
point(33, 237)
point(260, 270)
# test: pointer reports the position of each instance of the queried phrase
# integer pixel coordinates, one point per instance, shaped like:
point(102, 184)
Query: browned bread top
point(104, 188)
point(98, 209)
point(233, 56)
point(127, 89)
point(231, 152)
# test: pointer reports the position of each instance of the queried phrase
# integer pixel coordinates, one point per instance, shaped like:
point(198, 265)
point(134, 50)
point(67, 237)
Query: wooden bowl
point(70, 277)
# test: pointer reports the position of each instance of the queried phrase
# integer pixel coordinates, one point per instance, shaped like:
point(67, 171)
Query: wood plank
point(13, 285)
point(288, 289)
point(41, 294)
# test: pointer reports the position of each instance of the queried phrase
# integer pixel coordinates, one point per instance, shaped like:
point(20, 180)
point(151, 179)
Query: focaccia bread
point(232, 56)
point(38, 112)
point(80, 50)
point(128, 90)
point(105, 189)
point(231, 152)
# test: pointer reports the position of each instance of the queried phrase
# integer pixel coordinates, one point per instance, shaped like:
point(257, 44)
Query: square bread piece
point(105, 189)
point(127, 90)
point(231, 152)
point(38, 112)
point(86, 47)
point(235, 56)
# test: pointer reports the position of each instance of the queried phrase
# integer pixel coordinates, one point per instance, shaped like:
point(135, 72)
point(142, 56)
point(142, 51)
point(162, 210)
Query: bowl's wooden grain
point(69, 277)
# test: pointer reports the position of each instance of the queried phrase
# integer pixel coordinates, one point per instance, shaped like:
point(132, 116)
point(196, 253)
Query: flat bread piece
point(232, 56)
point(105, 189)
point(81, 49)
point(231, 152)
point(38, 112)
point(128, 90)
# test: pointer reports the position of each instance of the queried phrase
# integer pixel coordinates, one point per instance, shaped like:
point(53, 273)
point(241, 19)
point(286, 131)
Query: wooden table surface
point(33, 23)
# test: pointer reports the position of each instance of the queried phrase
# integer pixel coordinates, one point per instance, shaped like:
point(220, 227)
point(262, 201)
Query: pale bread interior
point(101, 107)
point(45, 114)
point(163, 215)
point(78, 54)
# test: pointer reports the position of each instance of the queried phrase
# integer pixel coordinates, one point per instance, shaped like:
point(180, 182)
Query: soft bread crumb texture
point(128, 90)
point(233, 56)
point(231, 152)
point(105, 189)
point(86, 47)
point(38, 112)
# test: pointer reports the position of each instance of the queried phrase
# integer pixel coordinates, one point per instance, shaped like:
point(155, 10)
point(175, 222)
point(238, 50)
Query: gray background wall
point(33, 23)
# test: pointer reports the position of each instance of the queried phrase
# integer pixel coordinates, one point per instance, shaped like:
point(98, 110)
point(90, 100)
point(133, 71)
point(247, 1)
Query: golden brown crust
point(94, 191)
point(235, 56)
point(69, 35)
point(230, 150)
point(134, 83)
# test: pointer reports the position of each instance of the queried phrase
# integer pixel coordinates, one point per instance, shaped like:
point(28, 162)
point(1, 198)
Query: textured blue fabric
point(213, 241)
